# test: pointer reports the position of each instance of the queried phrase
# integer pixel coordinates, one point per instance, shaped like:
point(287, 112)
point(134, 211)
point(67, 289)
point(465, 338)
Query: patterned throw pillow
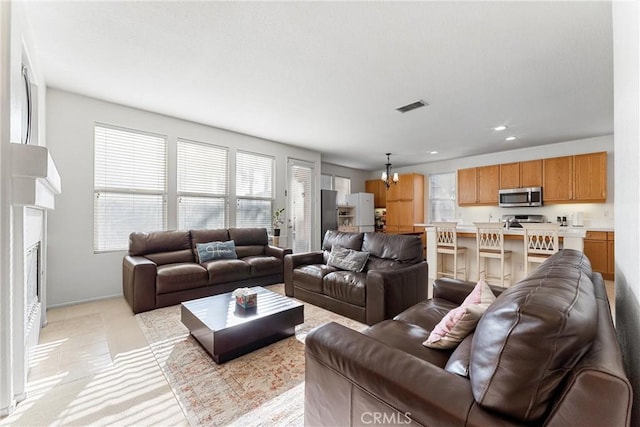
point(348, 259)
point(462, 320)
point(216, 250)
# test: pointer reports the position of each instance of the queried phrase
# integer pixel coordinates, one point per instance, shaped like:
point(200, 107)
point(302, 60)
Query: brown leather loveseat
point(162, 267)
point(544, 353)
point(394, 276)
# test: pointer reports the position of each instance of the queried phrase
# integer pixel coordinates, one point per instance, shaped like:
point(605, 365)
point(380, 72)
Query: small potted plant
point(277, 220)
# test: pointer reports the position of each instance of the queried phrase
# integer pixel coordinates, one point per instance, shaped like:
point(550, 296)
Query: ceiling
point(328, 76)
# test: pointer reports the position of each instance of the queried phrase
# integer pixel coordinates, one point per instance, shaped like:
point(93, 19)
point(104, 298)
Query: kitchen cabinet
point(405, 206)
point(521, 174)
point(599, 248)
point(557, 179)
point(379, 191)
point(478, 186)
point(590, 177)
point(467, 186)
point(346, 216)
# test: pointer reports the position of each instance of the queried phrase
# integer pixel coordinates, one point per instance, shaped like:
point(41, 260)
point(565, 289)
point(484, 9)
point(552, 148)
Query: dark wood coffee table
point(227, 331)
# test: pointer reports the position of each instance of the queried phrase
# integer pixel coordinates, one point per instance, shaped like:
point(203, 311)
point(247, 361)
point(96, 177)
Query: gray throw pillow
point(216, 250)
point(348, 259)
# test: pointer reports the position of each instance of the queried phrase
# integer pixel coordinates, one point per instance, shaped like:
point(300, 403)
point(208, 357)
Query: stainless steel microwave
point(516, 197)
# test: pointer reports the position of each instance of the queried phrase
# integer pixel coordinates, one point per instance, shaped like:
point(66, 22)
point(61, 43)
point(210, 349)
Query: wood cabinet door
point(590, 177)
point(531, 173)
point(611, 245)
point(400, 213)
point(393, 214)
point(510, 175)
point(596, 251)
point(379, 191)
point(557, 179)
point(393, 192)
point(488, 184)
point(467, 186)
point(406, 186)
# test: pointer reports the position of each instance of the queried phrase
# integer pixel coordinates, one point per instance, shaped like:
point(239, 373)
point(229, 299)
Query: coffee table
point(227, 331)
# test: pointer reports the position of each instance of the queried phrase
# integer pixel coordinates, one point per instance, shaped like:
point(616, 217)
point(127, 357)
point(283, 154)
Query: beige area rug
point(262, 388)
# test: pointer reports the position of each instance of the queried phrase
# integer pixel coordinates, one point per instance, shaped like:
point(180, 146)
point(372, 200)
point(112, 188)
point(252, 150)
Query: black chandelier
point(385, 175)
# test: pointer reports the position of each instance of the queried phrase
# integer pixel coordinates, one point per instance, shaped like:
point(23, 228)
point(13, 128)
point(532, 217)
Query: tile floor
point(93, 367)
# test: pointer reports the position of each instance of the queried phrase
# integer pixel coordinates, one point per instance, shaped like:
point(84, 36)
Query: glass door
point(300, 176)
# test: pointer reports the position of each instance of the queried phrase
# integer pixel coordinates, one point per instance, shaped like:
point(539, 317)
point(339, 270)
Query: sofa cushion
point(340, 238)
point(204, 236)
point(407, 337)
point(216, 250)
point(180, 277)
point(263, 265)
point(309, 277)
point(460, 321)
point(346, 286)
point(249, 250)
point(529, 340)
point(401, 248)
point(249, 236)
point(162, 247)
point(458, 363)
point(227, 270)
point(376, 263)
point(426, 314)
point(348, 259)
point(173, 257)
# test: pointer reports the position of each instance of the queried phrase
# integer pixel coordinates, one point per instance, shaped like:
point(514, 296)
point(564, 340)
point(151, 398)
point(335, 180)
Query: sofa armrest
point(277, 252)
point(390, 291)
point(456, 290)
point(139, 282)
point(293, 261)
point(358, 376)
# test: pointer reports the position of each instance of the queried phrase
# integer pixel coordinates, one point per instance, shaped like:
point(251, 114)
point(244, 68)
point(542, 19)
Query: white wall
point(626, 64)
point(595, 214)
point(75, 272)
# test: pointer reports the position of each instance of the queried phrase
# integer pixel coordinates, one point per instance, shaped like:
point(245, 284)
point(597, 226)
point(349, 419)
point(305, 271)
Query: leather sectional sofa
point(544, 353)
point(395, 276)
point(161, 268)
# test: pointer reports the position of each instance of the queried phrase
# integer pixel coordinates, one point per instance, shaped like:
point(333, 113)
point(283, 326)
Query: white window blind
point(254, 189)
point(130, 185)
point(203, 187)
point(442, 196)
point(343, 187)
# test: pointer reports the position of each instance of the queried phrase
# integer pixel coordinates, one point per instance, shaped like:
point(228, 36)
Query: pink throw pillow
point(462, 320)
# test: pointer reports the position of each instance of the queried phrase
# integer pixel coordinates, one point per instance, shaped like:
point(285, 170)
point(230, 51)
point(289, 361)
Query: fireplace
point(32, 282)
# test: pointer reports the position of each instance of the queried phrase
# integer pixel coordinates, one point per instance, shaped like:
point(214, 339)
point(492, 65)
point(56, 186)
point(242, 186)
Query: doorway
point(300, 176)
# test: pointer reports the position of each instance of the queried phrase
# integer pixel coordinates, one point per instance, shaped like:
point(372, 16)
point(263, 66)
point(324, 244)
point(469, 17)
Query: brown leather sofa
point(161, 268)
point(394, 278)
point(544, 353)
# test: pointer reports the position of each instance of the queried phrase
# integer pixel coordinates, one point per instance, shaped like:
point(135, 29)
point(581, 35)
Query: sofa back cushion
point(162, 247)
point(529, 340)
point(401, 248)
point(249, 241)
point(340, 238)
point(206, 236)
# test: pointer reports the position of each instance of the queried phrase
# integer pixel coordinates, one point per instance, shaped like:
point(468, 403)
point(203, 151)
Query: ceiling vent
point(419, 103)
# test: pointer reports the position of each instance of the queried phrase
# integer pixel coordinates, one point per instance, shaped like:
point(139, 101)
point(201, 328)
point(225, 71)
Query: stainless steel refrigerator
point(328, 211)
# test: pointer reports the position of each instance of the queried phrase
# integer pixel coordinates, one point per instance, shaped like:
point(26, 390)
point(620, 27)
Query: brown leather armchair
point(395, 276)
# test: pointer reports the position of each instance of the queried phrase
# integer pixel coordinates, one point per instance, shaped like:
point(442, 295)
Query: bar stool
point(540, 242)
point(447, 242)
point(490, 245)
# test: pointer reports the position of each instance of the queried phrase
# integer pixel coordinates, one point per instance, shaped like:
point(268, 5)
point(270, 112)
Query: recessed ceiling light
point(510, 138)
point(499, 128)
point(433, 152)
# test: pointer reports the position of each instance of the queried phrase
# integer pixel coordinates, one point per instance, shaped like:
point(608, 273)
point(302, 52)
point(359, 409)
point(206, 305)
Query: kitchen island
point(570, 238)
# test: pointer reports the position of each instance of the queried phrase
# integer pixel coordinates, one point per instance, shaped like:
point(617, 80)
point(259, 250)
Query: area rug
point(262, 388)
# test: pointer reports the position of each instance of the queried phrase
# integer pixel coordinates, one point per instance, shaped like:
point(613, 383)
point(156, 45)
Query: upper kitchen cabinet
point(557, 179)
point(521, 174)
point(580, 178)
point(405, 188)
point(590, 177)
point(467, 186)
point(478, 186)
point(379, 191)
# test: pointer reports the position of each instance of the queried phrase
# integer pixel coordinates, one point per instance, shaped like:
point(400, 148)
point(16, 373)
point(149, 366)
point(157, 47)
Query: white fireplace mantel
point(35, 177)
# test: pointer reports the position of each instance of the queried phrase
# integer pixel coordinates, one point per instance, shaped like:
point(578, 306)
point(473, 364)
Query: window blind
point(254, 190)
point(442, 196)
point(343, 187)
point(130, 169)
point(202, 185)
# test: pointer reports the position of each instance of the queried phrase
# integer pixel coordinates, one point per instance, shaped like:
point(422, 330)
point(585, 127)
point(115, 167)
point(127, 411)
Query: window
point(326, 182)
point(202, 185)
point(442, 196)
point(343, 187)
point(130, 185)
point(254, 190)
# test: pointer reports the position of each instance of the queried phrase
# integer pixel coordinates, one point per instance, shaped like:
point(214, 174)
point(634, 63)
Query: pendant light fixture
point(386, 174)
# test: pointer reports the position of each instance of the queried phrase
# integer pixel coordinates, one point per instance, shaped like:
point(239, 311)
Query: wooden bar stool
point(447, 243)
point(540, 242)
point(490, 245)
